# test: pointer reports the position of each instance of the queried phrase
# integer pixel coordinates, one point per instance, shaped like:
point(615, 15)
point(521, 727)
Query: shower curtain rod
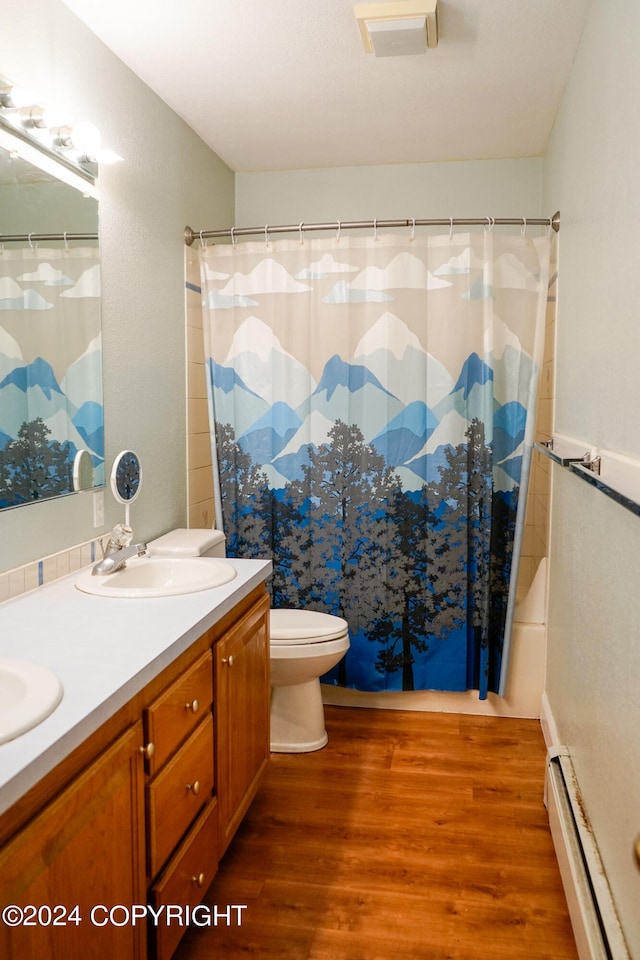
point(191, 235)
point(36, 237)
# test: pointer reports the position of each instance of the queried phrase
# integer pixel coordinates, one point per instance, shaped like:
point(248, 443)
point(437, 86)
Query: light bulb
point(86, 138)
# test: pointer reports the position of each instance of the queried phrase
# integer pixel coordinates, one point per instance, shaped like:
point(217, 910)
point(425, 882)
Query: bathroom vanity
point(116, 809)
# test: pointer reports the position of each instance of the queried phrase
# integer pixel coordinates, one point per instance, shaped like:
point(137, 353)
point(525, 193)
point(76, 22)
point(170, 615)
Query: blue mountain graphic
point(338, 373)
point(406, 434)
point(226, 378)
point(503, 444)
point(290, 466)
point(511, 417)
point(271, 433)
point(474, 370)
point(89, 417)
point(36, 374)
point(4, 439)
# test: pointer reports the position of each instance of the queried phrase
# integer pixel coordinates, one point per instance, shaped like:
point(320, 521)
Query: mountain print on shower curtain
point(384, 483)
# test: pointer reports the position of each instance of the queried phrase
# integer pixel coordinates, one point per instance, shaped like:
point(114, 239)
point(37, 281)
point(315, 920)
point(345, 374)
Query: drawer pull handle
point(228, 660)
point(194, 787)
point(194, 706)
point(199, 880)
point(148, 750)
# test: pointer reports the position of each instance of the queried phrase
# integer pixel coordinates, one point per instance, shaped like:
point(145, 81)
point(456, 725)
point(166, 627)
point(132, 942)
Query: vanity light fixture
point(80, 142)
point(398, 27)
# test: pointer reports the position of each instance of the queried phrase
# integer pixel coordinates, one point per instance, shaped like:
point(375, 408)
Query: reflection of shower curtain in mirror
point(373, 403)
point(50, 370)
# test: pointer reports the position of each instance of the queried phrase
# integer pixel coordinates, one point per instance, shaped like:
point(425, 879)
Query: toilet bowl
point(305, 644)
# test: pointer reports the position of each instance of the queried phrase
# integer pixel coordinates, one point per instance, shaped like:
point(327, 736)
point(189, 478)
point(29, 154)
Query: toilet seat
point(304, 626)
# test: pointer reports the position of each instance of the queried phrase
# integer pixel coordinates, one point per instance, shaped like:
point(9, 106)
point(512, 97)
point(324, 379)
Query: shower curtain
point(51, 403)
point(372, 403)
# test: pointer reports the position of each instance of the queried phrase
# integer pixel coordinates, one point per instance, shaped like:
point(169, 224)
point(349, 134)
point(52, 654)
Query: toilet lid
point(308, 626)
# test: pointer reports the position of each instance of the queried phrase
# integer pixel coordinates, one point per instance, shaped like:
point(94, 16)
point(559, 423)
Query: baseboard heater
point(596, 927)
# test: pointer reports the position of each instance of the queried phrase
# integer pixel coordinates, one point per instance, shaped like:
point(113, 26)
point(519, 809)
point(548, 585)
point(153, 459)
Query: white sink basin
point(158, 577)
point(28, 694)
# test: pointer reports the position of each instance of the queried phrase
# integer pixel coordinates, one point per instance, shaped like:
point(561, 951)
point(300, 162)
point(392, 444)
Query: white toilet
point(304, 645)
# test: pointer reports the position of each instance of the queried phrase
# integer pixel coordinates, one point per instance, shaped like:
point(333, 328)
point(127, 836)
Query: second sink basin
point(28, 694)
point(158, 577)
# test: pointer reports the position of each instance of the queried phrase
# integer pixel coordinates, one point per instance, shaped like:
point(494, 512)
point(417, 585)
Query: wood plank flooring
point(410, 836)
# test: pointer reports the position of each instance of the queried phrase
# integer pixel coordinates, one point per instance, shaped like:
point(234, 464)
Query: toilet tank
point(193, 542)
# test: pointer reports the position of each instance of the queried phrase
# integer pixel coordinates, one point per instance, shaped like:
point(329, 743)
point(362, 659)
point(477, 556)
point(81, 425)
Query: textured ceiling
point(286, 84)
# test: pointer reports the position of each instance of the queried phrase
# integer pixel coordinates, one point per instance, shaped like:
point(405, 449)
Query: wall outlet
point(98, 509)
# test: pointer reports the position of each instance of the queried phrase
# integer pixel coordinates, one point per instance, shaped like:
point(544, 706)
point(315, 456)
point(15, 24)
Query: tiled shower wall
point(537, 522)
point(200, 509)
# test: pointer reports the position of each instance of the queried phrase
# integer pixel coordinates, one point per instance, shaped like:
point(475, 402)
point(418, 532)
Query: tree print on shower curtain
point(371, 405)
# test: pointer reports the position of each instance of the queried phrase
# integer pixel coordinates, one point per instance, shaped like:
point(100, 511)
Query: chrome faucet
point(119, 549)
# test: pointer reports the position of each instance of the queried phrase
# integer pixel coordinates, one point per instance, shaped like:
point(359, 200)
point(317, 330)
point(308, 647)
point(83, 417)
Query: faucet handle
point(121, 535)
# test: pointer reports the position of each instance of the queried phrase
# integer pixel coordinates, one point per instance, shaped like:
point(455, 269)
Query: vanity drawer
point(178, 793)
point(178, 710)
point(185, 880)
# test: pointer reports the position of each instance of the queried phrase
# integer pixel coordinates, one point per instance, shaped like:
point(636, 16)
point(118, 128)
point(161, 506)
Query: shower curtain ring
point(523, 229)
point(66, 242)
point(375, 229)
point(413, 228)
point(300, 225)
point(31, 243)
point(450, 227)
point(266, 234)
point(338, 232)
point(203, 243)
point(233, 239)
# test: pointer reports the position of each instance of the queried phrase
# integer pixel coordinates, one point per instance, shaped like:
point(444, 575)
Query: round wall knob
point(228, 660)
point(148, 750)
point(194, 787)
point(199, 880)
point(194, 706)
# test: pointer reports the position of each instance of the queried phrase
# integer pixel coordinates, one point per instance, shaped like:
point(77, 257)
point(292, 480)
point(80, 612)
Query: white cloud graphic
point(267, 277)
point(9, 289)
point(25, 300)
point(405, 271)
point(87, 286)
point(320, 269)
point(459, 265)
point(48, 275)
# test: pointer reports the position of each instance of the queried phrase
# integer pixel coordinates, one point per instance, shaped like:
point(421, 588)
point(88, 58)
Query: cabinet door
point(80, 857)
point(242, 715)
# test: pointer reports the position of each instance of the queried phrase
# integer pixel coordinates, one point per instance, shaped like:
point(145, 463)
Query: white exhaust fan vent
point(398, 28)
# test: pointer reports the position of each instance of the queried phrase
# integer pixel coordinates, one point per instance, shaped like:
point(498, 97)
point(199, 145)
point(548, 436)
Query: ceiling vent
point(398, 28)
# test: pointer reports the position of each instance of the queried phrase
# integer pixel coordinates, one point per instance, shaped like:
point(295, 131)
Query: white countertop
point(104, 651)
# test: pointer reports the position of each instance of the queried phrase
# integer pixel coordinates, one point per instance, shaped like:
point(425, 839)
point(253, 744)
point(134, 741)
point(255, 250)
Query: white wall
point(593, 682)
point(477, 188)
point(168, 179)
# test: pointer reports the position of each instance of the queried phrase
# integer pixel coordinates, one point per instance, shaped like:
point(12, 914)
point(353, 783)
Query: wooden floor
point(410, 836)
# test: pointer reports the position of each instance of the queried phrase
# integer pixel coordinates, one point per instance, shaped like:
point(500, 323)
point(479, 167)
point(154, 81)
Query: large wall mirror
point(51, 406)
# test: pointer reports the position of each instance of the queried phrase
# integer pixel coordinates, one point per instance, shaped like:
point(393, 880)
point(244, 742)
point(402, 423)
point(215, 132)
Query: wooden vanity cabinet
point(143, 810)
point(242, 694)
point(78, 858)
